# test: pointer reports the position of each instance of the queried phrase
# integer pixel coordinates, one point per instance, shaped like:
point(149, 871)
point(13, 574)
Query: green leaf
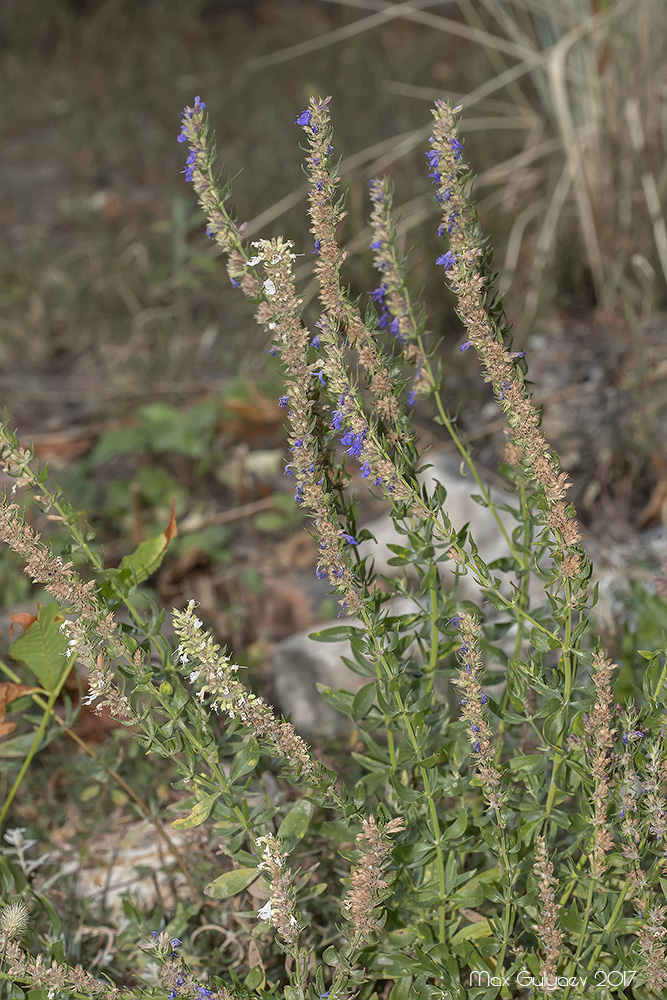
point(245, 760)
point(42, 647)
point(396, 966)
point(554, 725)
point(402, 989)
point(231, 883)
point(341, 700)
point(335, 634)
point(458, 827)
point(363, 700)
point(254, 979)
point(143, 562)
point(198, 814)
point(534, 763)
point(472, 932)
point(295, 823)
point(539, 640)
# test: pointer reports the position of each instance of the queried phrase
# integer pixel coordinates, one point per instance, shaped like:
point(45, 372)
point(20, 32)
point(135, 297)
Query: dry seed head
point(14, 919)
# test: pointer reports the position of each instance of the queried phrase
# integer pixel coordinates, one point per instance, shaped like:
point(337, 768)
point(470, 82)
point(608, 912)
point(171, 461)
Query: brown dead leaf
point(22, 618)
point(10, 692)
point(64, 445)
point(171, 531)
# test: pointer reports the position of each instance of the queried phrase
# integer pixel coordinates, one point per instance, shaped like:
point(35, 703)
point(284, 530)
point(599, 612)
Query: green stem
point(428, 791)
point(36, 741)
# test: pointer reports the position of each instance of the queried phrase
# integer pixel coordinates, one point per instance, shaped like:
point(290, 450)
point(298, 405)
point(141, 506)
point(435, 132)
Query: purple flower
point(320, 377)
point(283, 401)
point(376, 244)
point(318, 246)
point(355, 442)
point(412, 395)
point(377, 295)
point(298, 494)
point(315, 342)
point(337, 419)
point(319, 573)
point(202, 993)
point(235, 283)
point(432, 157)
point(465, 345)
point(377, 481)
point(365, 470)
point(446, 260)
point(457, 148)
point(350, 539)
point(304, 117)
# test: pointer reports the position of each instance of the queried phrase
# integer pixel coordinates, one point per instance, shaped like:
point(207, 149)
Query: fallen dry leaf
point(10, 692)
point(22, 618)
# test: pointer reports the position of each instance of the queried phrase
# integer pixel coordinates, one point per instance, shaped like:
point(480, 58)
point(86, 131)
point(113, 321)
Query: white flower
point(269, 287)
point(253, 261)
point(265, 912)
point(194, 675)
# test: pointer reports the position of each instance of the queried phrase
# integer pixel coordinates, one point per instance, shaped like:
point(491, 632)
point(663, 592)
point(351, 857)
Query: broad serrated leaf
point(42, 647)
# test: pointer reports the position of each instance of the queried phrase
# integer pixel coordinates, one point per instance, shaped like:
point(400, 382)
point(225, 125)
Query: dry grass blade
point(649, 186)
point(412, 12)
point(338, 35)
